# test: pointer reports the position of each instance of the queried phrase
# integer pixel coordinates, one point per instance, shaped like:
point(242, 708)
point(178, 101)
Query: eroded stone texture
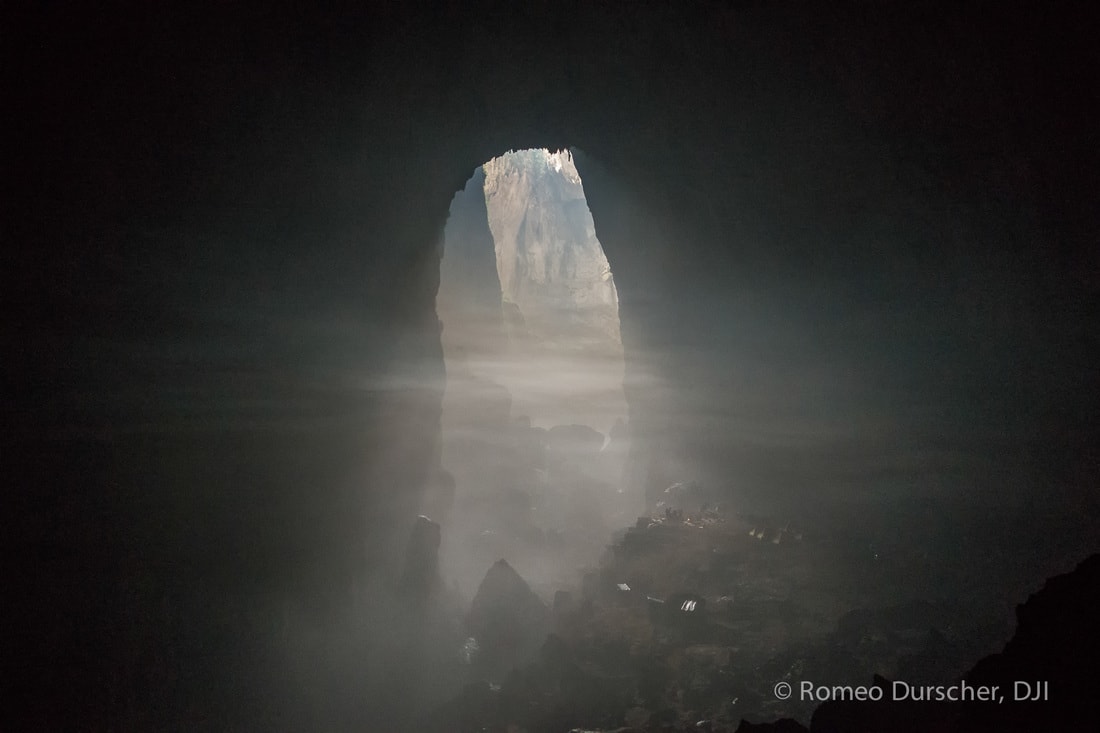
point(551, 265)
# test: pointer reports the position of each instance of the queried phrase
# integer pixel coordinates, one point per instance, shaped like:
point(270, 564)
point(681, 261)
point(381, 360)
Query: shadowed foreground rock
point(582, 678)
point(508, 620)
point(1057, 641)
point(887, 715)
point(786, 725)
point(421, 574)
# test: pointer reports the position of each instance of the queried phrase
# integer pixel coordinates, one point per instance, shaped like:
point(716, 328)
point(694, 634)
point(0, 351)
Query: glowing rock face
point(526, 296)
point(550, 264)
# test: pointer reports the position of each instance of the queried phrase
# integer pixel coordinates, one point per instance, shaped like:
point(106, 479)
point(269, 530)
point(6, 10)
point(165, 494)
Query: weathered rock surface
point(612, 667)
point(552, 268)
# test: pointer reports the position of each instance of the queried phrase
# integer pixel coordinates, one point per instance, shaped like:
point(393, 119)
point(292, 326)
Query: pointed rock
point(507, 618)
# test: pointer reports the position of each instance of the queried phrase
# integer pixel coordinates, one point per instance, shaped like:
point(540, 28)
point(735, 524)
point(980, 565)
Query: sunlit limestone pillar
point(529, 309)
point(560, 303)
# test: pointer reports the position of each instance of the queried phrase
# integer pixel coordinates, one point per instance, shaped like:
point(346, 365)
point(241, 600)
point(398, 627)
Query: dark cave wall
point(469, 284)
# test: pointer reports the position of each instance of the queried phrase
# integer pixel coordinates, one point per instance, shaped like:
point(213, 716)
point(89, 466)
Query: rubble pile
point(686, 624)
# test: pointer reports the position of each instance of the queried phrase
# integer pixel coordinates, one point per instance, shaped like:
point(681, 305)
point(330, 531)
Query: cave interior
point(855, 276)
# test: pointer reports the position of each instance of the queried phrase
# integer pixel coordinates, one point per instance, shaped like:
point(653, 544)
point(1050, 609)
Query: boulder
point(507, 618)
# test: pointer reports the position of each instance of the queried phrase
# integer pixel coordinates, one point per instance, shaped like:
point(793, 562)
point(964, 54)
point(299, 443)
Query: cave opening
point(534, 429)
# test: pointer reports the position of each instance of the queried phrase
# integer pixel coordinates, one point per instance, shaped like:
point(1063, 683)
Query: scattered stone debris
point(714, 619)
point(681, 609)
point(656, 609)
point(686, 496)
point(776, 536)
